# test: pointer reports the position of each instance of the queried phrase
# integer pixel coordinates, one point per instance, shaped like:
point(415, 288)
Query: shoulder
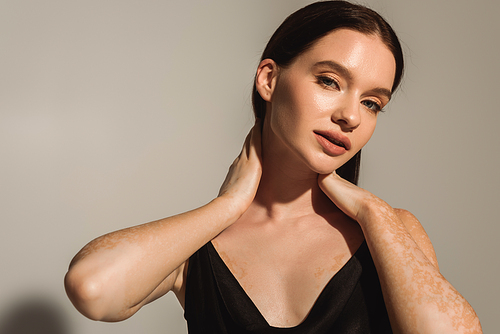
point(418, 234)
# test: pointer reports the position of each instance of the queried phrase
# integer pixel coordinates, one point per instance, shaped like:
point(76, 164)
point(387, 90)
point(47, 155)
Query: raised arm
point(116, 274)
point(418, 298)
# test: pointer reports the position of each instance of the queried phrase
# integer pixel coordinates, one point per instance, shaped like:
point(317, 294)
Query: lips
point(335, 138)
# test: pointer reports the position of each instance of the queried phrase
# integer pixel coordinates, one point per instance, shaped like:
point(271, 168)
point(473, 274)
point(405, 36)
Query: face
point(323, 108)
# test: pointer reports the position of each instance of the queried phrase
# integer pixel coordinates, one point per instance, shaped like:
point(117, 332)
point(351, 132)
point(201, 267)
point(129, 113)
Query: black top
point(351, 302)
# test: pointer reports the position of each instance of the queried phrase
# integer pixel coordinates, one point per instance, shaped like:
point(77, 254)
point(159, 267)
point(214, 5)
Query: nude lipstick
point(332, 142)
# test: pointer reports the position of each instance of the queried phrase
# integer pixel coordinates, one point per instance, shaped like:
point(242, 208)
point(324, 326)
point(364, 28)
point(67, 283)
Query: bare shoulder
point(418, 234)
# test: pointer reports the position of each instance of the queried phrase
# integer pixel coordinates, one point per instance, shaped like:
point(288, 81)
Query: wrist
point(383, 228)
point(229, 205)
point(374, 210)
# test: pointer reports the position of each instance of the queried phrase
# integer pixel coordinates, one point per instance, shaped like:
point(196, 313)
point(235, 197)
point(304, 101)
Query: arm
point(116, 274)
point(418, 298)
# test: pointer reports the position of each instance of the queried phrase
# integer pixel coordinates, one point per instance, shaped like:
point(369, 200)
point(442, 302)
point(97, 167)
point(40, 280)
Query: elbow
point(85, 293)
point(94, 296)
point(90, 296)
point(462, 320)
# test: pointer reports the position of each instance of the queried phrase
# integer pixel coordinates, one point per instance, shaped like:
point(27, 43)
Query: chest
point(284, 272)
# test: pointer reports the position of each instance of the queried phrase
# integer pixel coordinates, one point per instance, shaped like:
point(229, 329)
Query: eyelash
point(323, 81)
point(328, 82)
point(375, 108)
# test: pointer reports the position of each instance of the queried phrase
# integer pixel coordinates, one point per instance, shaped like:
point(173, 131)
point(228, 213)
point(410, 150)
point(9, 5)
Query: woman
point(291, 243)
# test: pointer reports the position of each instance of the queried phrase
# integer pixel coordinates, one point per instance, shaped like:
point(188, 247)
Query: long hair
point(303, 28)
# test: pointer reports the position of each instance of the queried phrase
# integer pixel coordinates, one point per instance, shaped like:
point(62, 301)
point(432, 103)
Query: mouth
point(336, 142)
point(335, 138)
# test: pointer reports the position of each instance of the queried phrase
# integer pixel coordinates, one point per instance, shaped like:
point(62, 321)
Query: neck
point(288, 188)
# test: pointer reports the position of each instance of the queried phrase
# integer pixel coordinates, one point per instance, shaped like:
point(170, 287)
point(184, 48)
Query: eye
point(328, 82)
point(372, 105)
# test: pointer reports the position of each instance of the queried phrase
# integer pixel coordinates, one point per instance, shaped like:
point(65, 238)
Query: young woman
point(291, 244)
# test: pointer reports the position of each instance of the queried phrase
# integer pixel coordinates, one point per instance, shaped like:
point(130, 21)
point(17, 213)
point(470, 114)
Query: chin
point(327, 167)
point(325, 171)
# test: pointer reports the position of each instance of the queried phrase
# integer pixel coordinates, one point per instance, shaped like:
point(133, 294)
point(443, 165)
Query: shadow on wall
point(34, 316)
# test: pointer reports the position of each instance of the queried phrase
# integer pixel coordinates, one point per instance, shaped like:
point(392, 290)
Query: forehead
point(364, 55)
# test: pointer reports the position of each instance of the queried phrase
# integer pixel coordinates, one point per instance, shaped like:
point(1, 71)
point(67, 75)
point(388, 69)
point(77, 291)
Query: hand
point(243, 177)
point(351, 199)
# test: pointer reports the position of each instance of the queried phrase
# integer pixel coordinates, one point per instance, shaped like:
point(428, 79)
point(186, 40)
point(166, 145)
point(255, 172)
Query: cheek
point(283, 123)
point(298, 107)
point(285, 116)
point(366, 131)
point(323, 102)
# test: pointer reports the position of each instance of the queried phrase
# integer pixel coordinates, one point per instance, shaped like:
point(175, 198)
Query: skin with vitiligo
point(284, 223)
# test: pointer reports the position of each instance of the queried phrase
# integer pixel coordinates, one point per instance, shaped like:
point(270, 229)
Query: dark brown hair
point(303, 28)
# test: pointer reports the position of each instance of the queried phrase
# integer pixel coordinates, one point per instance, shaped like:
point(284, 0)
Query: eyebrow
point(345, 72)
point(342, 70)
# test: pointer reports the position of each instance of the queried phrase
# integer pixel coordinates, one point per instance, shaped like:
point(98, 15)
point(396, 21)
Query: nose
point(347, 114)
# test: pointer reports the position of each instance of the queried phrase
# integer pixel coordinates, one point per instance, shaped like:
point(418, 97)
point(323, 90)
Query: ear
point(265, 80)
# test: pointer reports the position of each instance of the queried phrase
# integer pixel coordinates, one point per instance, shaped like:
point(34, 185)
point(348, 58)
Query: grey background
point(114, 113)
